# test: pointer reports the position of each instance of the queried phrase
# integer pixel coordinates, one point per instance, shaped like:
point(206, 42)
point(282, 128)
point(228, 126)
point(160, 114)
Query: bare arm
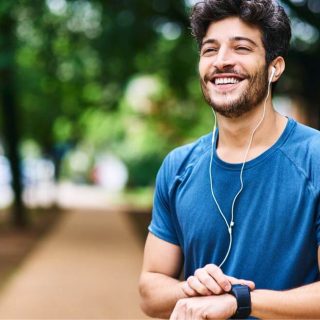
point(299, 303)
point(159, 286)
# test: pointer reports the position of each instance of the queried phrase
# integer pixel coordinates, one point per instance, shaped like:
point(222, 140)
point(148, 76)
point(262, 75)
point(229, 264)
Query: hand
point(211, 280)
point(214, 307)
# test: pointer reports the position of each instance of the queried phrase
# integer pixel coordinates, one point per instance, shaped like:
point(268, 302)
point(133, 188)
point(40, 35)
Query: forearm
point(299, 303)
point(159, 294)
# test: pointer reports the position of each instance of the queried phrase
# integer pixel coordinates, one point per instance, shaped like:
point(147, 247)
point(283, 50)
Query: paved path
point(86, 268)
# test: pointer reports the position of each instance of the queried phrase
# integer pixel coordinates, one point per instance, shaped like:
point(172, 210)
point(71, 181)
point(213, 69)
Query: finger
point(248, 283)
point(196, 285)
point(208, 281)
point(188, 290)
point(221, 279)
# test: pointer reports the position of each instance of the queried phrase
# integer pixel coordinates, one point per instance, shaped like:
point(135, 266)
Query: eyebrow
point(238, 38)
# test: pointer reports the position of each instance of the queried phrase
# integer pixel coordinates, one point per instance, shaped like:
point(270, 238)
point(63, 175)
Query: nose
point(223, 59)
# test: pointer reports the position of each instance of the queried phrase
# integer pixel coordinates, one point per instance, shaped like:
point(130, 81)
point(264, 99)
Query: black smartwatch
point(242, 295)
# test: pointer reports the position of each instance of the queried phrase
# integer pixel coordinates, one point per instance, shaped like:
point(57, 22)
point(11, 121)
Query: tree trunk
point(9, 108)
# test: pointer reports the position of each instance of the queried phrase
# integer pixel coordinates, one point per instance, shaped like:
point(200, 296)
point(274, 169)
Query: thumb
point(247, 283)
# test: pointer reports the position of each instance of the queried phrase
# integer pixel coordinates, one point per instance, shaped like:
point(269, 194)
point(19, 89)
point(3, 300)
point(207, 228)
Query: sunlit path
point(86, 268)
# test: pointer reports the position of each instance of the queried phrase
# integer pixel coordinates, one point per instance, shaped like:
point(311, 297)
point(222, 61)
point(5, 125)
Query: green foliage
point(76, 62)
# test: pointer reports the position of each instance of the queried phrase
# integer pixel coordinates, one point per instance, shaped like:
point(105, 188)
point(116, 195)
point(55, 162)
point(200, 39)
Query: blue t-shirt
point(277, 215)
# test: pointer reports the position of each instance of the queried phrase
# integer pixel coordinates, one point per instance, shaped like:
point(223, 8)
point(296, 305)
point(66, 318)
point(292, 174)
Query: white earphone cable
point(231, 224)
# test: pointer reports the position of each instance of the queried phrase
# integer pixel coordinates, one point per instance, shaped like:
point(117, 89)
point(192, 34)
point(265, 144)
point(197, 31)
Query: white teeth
point(226, 81)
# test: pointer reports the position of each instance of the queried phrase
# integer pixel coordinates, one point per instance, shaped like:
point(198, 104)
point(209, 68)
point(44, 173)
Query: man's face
point(232, 67)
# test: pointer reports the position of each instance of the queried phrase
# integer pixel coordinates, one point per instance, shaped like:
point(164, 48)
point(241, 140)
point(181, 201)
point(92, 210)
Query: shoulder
point(303, 131)
point(305, 141)
point(303, 149)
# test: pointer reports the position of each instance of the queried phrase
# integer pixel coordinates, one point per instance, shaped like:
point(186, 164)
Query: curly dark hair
point(267, 15)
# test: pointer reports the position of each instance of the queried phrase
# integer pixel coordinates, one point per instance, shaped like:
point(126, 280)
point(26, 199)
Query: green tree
point(74, 65)
point(9, 105)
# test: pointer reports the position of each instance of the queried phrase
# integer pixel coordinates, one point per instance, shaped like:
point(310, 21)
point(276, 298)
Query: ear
point(279, 64)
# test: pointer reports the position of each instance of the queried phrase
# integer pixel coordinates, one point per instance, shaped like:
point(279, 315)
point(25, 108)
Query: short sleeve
point(162, 223)
point(318, 221)
point(314, 151)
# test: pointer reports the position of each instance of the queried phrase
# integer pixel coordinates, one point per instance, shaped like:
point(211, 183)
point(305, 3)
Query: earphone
point(273, 72)
point(232, 223)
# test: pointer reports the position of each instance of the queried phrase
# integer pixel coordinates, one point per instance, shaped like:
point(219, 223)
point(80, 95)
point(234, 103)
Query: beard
point(253, 95)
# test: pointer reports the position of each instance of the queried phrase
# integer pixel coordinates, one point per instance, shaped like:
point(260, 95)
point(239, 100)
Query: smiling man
point(244, 201)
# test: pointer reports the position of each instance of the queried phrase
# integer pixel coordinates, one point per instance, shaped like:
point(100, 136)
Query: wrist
point(264, 302)
point(255, 298)
point(243, 300)
point(233, 304)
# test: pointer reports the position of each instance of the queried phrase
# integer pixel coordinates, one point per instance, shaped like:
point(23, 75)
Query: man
point(243, 202)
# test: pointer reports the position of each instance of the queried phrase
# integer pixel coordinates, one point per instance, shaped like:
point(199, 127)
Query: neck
point(235, 134)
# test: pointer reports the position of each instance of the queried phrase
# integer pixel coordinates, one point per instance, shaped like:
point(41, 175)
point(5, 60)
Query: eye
point(208, 51)
point(243, 49)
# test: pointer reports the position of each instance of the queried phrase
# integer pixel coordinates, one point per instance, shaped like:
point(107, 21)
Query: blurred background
point(93, 95)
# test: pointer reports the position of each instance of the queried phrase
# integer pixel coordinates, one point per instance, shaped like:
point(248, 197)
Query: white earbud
point(273, 71)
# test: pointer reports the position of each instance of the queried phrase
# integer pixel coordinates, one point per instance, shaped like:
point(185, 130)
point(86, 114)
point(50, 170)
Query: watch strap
point(242, 295)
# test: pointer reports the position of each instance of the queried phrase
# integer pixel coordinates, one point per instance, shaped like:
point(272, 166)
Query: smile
point(226, 82)
point(219, 81)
